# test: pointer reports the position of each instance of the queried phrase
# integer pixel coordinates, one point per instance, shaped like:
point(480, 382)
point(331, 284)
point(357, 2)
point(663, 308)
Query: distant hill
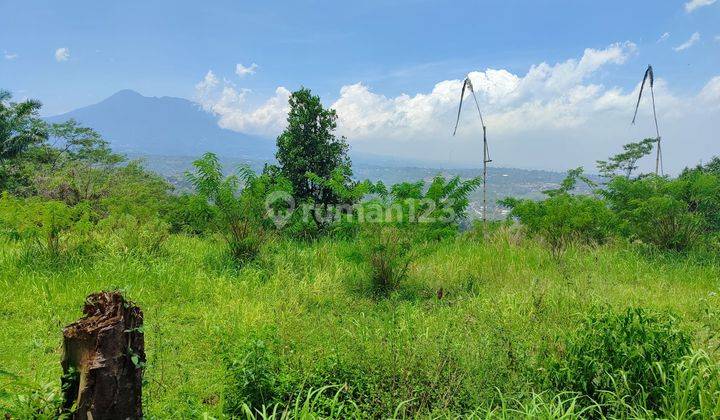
point(138, 124)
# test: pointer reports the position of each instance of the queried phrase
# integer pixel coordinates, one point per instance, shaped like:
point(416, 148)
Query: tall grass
point(474, 352)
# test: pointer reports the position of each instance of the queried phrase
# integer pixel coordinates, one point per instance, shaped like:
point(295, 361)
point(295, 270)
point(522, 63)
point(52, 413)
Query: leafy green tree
point(626, 162)
point(309, 145)
point(20, 129)
point(20, 126)
point(570, 182)
point(78, 143)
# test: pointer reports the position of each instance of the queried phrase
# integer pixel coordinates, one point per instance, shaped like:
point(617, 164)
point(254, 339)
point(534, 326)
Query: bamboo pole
point(650, 76)
point(467, 84)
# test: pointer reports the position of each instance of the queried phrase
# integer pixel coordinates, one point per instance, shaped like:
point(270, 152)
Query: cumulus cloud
point(62, 54)
point(242, 71)
point(548, 96)
point(710, 94)
point(694, 38)
point(663, 37)
point(693, 5)
point(9, 55)
point(553, 116)
point(230, 104)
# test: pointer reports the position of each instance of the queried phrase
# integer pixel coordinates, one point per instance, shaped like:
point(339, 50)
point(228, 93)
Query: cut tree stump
point(103, 360)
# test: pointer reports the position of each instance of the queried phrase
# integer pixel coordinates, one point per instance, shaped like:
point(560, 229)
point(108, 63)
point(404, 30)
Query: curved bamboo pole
point(467, 84)
point(650, 76)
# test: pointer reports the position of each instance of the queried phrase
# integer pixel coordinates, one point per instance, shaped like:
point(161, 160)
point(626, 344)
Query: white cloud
point(241, 70)
point(664, 37)
point(553, 116)
point(207, 84)
point(692, 5)
point(10, 56)
point(694, 38)
point(231, 106)
point(62, 54)
point(710, 94)
point(717, 38)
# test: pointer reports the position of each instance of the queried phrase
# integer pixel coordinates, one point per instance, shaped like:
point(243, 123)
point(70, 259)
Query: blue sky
point(71, 54)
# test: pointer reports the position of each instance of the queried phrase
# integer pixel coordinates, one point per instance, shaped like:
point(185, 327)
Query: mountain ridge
point(134, 123)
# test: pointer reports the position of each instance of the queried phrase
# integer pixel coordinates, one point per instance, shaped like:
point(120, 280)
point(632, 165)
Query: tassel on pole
point(650, 77)
point(467, 84)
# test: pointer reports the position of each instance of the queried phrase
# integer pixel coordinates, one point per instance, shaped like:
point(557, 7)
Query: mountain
point(138, 124)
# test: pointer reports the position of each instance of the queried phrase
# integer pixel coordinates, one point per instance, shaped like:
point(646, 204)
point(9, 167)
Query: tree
point(82, 144)
point(712, 167)
point(627, 160)
point(570, 182)
point(20, 126)
point(308, 145)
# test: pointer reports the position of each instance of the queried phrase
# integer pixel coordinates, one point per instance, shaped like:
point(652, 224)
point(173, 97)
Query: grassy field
point(302, 317)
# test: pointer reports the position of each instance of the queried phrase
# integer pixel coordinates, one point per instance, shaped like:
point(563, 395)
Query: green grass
point(506, 303)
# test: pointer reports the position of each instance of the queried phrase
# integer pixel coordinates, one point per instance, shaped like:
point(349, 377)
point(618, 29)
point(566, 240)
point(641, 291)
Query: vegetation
point(300, 293)
point(308, 145)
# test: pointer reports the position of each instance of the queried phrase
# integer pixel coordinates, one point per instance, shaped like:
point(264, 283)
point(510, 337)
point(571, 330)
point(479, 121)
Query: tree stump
point(103, 360)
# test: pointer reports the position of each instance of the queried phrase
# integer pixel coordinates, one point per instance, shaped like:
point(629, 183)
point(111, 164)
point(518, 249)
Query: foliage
point(711, 167)
point(308, 144)
point(672, 214)
point(191, 214)
point(388, 252)
point(569, 183)
point(133, 235)
point(20, 129)
point(433, 211)
point(237, 202)
point(626, 162)
point(45, 223)
point(20, 126)
point(83, 144)
point(252, 378)
point(630, 354)
point(237, 218)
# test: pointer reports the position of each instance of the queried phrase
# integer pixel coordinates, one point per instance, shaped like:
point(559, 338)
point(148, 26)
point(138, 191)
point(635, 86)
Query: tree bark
point(103, 360)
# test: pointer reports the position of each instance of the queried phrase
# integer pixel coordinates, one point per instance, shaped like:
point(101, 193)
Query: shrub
point(665, 222)
point(675, 214)
point(252, 378)
point(190, 214)
point(631, 355)
point(237, 201)
point(134, 235)
point(388, 253)
point(563, 218)
point(46, 224)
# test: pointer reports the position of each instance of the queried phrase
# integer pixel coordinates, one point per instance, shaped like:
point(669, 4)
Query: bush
point(674, 214)
point(666, 223)
point(252, 378)
point(48, 225)
point(133, 235)
point(190, 214)
point(388, 253)
point(564, 218)
point(631, 355)
point(238, 201)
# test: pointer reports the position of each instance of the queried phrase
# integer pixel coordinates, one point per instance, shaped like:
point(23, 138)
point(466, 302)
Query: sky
point(557, 80)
